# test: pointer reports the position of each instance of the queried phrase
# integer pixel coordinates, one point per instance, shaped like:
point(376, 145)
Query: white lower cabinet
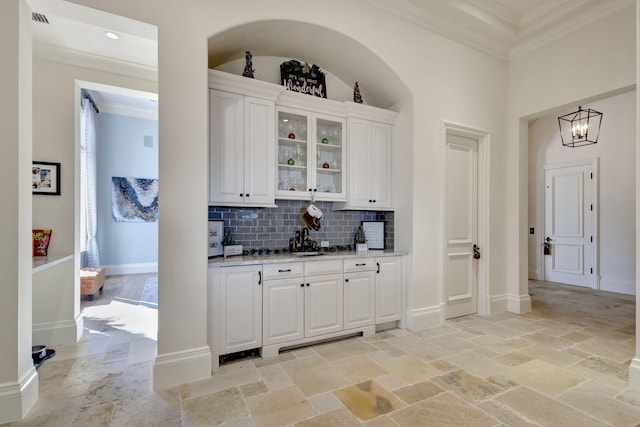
point(388, 289)
point(240, 308)
point(299, 302)
point(323, 305)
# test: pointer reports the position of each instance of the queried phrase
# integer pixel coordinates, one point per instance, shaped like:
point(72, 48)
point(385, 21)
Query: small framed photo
point(215, 238)
point(45, 178)
point(374, 233)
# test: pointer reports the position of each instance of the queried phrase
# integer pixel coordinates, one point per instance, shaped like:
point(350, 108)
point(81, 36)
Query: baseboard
point(519, 303)
point(16, 399)
point(628, 288)
point(498, 303)
point(181, 367)
point(57, 333)
point(118, 269)
point(634, 374)
point(423, 318)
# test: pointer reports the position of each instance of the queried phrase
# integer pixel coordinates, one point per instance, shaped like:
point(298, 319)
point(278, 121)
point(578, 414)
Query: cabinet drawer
point(315, 268)
point(359, 264)
point(282, 271)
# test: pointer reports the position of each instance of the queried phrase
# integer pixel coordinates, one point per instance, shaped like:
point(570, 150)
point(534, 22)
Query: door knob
point(548, 239)
point(476, 252)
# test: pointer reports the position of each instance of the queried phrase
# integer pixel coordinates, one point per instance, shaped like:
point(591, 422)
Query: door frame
point(484, 299)
point(594, 163)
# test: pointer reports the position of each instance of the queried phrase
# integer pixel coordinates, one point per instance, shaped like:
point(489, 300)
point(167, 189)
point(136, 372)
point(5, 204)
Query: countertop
point(289, 257)
point(43, 262)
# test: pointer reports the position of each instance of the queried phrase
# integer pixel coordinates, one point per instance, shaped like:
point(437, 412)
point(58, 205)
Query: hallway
point(564, 364)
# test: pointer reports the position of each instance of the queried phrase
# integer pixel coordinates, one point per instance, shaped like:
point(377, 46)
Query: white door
point(283, 310)
point(259, 153)
point(461, 233)
point(388, 289)
point(569, 225)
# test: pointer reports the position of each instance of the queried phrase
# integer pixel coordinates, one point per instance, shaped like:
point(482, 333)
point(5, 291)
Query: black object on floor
point(40, 353)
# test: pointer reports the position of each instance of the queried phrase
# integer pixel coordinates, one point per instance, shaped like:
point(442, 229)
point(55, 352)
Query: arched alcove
point(335, 53)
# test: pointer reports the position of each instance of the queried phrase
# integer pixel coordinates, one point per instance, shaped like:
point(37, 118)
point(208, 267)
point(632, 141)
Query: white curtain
point(88, 184)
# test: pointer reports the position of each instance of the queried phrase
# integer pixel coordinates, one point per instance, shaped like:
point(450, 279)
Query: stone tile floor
point(563, 364)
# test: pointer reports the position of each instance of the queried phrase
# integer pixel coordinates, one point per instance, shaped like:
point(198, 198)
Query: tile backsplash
point(271, 228)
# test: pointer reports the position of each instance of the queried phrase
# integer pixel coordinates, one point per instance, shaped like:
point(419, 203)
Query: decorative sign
point(374, 232)
point(303, 78)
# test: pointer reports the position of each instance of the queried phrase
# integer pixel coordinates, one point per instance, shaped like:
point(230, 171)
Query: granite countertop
point(291, 257)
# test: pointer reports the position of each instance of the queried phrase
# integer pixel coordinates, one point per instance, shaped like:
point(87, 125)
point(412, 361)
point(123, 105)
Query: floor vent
point(39, 17)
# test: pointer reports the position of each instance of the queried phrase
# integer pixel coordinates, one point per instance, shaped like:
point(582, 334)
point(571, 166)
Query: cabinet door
point(240, 308)
point(323, 305)
point(329, 178)
point(381, 176)
point(294, 154)
point(389, 289)
point(359, 163)
point(283, 305)
point(259, 150)
point(359, 299)
point(226, 151)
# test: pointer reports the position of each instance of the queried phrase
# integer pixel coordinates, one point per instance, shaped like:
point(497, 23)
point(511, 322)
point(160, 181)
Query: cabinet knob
point(241, 195)
point(373, 200)
point(302, 285)
point(346, 280)
point(247, 195)
point(307, 285)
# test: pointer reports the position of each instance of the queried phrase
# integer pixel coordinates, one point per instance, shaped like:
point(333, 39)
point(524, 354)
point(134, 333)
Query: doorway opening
point(118, 230)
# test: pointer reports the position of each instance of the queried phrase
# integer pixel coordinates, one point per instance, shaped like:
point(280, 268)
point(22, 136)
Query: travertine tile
point(228, 376)
point(160, 408)
point(253, 389)
point(411, 369)
point(359, 368)
point(275, 377)
point(417, 392)
point(325, 402)
point(543, 377)
point(337, 418)
point(464, 385)
point(279, 408)
point(368, 400)
point(544, 410)
point(505, 414)
point(313, 375)
point(448, 410)
point(476, 364)
point(514, 358)
point(343, 349)
point(550, 355)
point(95, 416)
point(597, 400)
point(214, 409)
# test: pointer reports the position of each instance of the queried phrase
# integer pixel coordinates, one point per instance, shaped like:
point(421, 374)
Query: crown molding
point(94, 62)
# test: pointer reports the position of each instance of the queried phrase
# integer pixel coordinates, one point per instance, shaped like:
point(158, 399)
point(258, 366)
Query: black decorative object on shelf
point(227, 240)
point(248, 67)
point(357, 98)
point(298, 77)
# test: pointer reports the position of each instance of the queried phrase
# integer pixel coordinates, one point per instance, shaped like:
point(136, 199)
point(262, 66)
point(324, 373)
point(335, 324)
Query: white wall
point(615, 151)
point(447, 82)
point(554, 76)
point(125, 246)
point(18, 378)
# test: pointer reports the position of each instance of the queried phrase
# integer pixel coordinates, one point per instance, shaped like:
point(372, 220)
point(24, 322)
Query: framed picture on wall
point(216, 229)
point(374, 233)
point(45, 178)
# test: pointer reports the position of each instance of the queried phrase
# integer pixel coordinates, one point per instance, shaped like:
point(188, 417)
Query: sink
point(308, 253)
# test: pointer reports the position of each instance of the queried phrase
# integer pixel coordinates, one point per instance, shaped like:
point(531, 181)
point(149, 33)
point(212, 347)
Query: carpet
point(150, 293)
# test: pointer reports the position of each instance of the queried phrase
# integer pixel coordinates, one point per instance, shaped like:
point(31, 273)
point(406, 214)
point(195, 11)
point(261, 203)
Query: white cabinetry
point(388, 289)
point(311, 154)
point(359, 293)
point(240, 308)
point(241, 141)
point(283, 303)
point(323, 305)
point(370, 173)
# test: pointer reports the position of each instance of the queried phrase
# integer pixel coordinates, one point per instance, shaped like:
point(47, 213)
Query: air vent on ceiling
point(39, 17)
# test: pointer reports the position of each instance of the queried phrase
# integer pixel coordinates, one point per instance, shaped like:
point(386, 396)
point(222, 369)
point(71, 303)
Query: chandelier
point(580, 128)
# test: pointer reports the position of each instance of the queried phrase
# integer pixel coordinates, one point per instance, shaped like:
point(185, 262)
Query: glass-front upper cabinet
point(311, 156)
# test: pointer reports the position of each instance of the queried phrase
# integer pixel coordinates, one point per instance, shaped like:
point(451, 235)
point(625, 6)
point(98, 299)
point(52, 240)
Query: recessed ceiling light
point(111, 35)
